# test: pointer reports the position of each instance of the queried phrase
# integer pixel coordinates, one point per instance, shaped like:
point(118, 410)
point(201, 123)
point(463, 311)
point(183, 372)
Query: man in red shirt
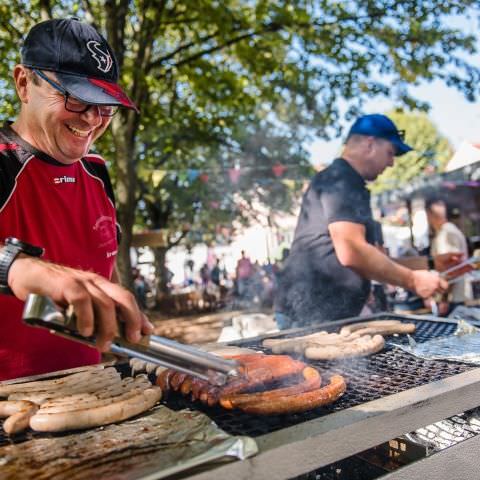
point(244, 271)
point(56, 195)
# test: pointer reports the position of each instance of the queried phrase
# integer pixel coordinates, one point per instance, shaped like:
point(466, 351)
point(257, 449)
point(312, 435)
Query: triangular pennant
point(290, 184)
point(157, 177)
point(234, 174)
point(182, 176)
point(192, 174)
point(278, 169)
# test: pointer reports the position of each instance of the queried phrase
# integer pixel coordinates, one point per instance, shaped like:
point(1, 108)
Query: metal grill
point(370, 378)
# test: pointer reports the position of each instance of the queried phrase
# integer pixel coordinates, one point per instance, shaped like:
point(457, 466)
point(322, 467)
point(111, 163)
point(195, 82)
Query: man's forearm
point(370, 263)
point(418, 262)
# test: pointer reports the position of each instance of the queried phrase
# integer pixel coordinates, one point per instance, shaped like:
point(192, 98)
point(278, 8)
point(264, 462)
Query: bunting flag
point(278, 169)
point(234, 174)
point(192, 174)
point(204, 177)
point(157, 177)
point(182, 178)
point(289, 183)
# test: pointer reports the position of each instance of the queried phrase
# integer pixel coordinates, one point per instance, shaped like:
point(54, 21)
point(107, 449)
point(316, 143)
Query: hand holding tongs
point(41, 311)
point(472, 262)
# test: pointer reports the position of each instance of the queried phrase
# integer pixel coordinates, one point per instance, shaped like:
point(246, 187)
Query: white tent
point(466, 154)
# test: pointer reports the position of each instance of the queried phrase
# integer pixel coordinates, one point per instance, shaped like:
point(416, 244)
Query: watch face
point(31, 250)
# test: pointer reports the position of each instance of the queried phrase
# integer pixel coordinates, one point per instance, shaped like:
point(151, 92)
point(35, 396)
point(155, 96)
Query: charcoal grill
point(388, 394)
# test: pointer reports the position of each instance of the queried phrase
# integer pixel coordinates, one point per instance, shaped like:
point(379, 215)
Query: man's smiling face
point(66, 136)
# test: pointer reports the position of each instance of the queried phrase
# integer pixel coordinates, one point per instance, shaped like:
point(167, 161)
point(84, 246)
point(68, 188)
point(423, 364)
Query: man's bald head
point(436, 213)
point(437, 208)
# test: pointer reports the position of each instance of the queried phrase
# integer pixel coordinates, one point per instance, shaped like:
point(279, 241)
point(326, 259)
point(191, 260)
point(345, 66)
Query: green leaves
point(225, 81)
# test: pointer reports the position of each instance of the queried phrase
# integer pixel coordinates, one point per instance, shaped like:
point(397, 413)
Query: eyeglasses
point(401, 134)
point(74, 105)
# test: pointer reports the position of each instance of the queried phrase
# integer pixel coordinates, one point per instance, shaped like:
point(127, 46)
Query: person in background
point(216, 273)
point(57, 216)
point(447, 238)
point(205, 276)
point(333, 256)
point(140, 287)
point(244, 272)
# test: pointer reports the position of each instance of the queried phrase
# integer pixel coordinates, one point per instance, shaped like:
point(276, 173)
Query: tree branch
point(179, 239)
point(90, 17)
point(45, 9)
point(268, 28)
point(181, 48)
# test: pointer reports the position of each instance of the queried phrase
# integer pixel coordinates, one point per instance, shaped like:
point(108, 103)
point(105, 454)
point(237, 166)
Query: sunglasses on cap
point(72, 104)
point(401, 134)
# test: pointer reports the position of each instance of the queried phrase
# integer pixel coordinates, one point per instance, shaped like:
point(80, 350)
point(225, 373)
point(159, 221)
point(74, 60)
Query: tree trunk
point(125, 193)
point(161, 271)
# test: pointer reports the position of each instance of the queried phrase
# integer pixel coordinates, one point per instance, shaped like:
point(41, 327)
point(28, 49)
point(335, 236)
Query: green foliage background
point(431, 151)
point(216, 81)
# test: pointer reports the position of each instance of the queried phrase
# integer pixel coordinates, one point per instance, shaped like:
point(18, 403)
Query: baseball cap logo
point(103, 59)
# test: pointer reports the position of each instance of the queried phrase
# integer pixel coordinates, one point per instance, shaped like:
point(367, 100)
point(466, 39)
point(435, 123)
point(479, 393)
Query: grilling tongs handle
point(41, 311)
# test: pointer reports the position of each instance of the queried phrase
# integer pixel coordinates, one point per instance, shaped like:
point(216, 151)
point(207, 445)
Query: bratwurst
point(268, 385)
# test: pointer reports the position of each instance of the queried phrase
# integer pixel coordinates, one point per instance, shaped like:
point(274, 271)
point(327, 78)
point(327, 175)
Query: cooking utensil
point(473, 261)
point(41, 311)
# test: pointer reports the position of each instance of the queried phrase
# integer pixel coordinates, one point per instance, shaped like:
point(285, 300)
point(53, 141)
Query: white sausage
point(365, 345)
point(94, 417)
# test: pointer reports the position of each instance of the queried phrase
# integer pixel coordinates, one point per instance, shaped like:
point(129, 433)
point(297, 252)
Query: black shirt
point(314, 286)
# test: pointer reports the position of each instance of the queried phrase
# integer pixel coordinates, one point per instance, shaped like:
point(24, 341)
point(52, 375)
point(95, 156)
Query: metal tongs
point(472, 261)
point(40, 311)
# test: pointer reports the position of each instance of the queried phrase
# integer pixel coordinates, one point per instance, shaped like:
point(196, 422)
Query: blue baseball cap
point(380, 126)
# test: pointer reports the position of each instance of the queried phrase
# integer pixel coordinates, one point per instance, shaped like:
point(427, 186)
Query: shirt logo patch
point(105, 230)
point(103, 59)
point(64, 179)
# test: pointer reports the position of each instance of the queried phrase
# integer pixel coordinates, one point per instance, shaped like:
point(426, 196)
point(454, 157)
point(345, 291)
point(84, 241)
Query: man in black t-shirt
point(333, 258)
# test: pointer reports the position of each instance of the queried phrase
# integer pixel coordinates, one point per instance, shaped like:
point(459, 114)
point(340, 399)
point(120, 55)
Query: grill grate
point(388, 372)
point(370, 378)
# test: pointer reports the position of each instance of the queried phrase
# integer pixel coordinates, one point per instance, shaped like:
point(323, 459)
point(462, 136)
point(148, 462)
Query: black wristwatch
point(8, 253)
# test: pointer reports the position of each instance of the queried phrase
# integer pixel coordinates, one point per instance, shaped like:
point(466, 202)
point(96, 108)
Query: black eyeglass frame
point(67, 95)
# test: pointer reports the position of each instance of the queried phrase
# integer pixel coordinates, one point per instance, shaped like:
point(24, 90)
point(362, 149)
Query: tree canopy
point(206, 74)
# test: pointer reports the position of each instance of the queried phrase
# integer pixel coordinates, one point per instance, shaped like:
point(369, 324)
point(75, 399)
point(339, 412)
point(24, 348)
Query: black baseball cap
point(380, 126)
point(84, 63)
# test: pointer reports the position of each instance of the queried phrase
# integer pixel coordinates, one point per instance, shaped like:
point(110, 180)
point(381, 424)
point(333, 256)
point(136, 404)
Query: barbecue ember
point(269, 385)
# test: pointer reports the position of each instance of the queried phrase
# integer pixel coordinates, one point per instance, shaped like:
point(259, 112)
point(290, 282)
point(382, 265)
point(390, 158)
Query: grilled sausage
point(85, 386)
point(298, 344)
point(128, 388)
point(382, 327)
point(312, 381)
point(300, 402)
point(18, 413)
point(365, 345)
point(96, 416)
point(63, 382)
